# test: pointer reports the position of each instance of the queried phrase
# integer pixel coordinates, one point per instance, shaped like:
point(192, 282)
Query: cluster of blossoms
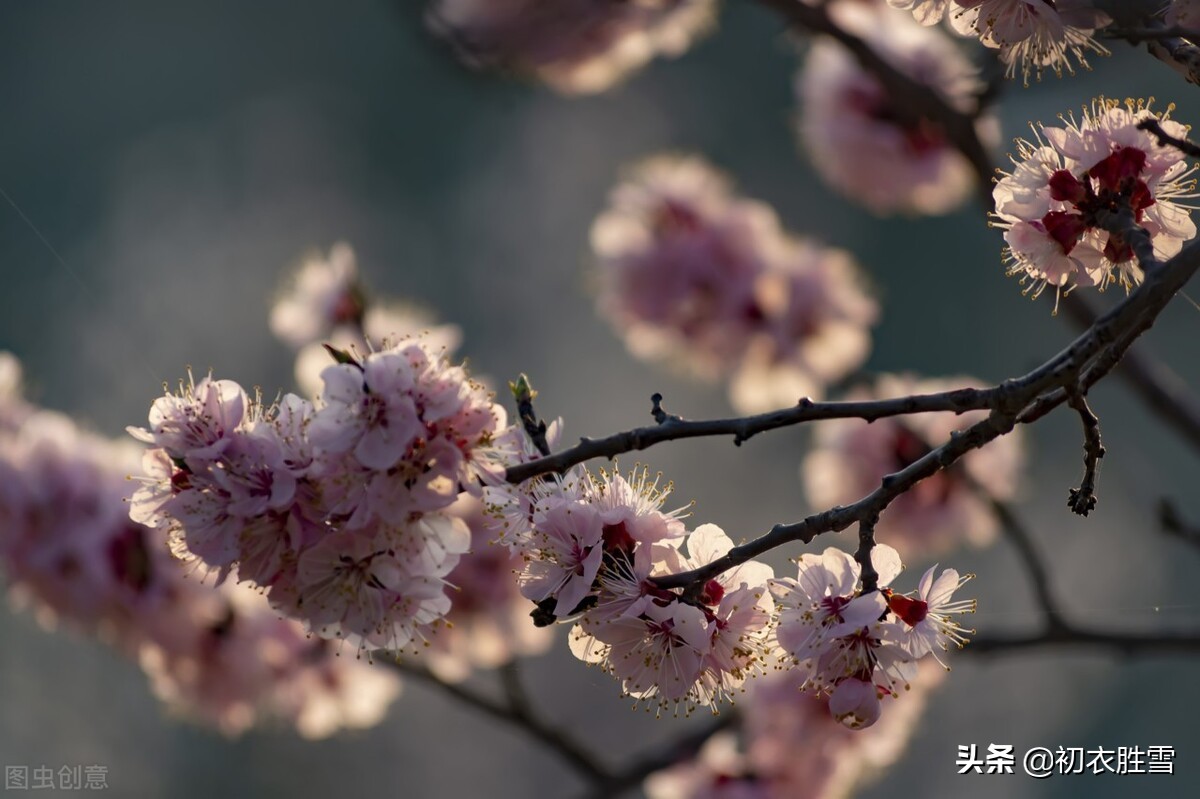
point(858, 647)
point(863, 141)
point(592, 545)
point(792, 748)
point(220, 654)
point(576, 46)
point(1070, 186)
point(594, 550)
point(851, 456)
point(336, 508)
point(690, 272)
point(1031, 35)
point(488, 623)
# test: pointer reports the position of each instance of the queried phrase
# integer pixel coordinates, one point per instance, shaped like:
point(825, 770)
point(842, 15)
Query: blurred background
point(180, 158)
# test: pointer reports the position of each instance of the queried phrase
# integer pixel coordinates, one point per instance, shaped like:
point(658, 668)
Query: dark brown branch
point(524, 395)
point(671, 428)
point(1083, 499)
point(1016, 401)
point(866, 544)
point(1022, 541)
point(1183, 145)
point(517, 714)
point(675, 751)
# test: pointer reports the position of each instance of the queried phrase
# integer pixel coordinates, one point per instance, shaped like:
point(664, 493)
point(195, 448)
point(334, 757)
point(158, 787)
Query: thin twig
point(1083, 499)
point(1022, 541)
point(866, 544)
point(524, 395)
point(675, 751)
point(555, 740)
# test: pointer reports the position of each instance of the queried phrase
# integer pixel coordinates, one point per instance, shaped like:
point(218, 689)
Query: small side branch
point(866, 544)
point(1083, 499)
point(524, 395)
point(516, 713)
point(675, 751)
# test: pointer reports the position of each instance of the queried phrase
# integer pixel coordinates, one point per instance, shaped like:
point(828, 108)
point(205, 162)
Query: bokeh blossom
point(850, 457)
point(1070, 179)
point(692, 274)
point(863, 141)
point(575, 46)
point(787, 745)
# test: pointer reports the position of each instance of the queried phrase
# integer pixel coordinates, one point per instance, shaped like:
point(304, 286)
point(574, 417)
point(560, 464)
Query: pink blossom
point(197, 423)
point(1049, 205)
point(324, 294)
point(1033, 34)
point(928, 618)
point(867, 147)
point(566, 555)
point(219, 654)
point(693, 274)
point(815, 330)
point(575, 46)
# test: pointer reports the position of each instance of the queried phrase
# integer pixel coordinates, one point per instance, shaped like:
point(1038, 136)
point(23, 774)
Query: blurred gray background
point(181, 157)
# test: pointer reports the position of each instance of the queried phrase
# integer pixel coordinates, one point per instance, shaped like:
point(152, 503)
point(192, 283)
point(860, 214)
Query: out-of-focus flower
point(1070, 178)
point(1183, 14)
point(691, 273)
point(850, 457)
point(575, 46)
point(791, 746)
point(863, 141)
point(324, 294)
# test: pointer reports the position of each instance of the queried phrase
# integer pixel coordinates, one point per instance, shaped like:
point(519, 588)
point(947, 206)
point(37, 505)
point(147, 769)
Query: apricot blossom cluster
point(220, 654)
point(594, 545)
point(336, 508)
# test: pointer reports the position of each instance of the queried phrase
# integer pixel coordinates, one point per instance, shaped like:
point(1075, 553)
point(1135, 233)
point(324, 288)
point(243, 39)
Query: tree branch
point(1083, 499)
point(517, 713)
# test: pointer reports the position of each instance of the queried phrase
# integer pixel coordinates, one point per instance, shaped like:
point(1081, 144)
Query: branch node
point(659, 414)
